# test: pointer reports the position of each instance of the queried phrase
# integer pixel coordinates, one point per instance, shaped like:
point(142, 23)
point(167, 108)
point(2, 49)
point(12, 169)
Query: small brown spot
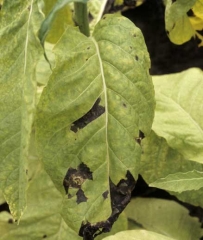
point(124, 105)
point(131, 47)
point(136, 57)
point(104, 17)
point(69, 196)
point(44, 236)
point(10, 220)
point(134, 35)
point(26, 171)
point(86, 59)
point(88, 48)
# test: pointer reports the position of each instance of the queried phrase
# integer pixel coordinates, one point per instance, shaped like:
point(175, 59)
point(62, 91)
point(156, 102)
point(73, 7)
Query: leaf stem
point(81, 17)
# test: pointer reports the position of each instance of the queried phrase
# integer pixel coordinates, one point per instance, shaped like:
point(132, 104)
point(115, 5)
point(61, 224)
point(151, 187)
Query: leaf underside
point(98, 97)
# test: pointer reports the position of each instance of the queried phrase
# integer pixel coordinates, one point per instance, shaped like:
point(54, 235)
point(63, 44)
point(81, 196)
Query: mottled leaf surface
point(19, 54)
point(178, 114)
point(42, 218)
point(110, 69)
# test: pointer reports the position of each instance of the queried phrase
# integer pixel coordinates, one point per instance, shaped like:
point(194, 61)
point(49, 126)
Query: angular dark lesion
point(120, 197)
point(95, 112)
point(105, 194)
point(141, 136)
point(74, 178)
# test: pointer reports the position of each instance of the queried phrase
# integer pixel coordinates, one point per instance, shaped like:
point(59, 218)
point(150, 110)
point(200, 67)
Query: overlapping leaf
point(109, 71)
point(164, 217)
point(177, 22)
point(19, 53)
point(159, 159)
point(179, 115)
point(180, 182)
point(48, 21)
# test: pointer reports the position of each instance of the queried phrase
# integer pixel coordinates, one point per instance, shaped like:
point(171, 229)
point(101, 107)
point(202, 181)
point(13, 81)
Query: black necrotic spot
point(10, 220)
point(105, 194)
point(80, 196)
point(74, 179)
point(90, 116)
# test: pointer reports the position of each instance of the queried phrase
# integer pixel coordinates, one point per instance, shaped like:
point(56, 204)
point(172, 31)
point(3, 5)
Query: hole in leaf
point(90, 116)
point(120, 197)
point(81, 196)
point(105, 194)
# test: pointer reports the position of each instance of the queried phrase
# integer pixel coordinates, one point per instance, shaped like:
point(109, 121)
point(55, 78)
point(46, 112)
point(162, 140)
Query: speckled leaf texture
point(108, 73)
point(19, 50)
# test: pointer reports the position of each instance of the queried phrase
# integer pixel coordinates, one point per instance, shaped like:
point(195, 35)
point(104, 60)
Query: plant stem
point(81, 17)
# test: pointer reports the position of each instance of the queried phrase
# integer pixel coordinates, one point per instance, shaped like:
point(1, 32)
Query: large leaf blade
point(178, 116)
point(84, 77)
point(19, 54)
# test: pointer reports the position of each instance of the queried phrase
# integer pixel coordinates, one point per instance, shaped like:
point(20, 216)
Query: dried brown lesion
point(95, 112)
point(120, 195)
point(75, 178)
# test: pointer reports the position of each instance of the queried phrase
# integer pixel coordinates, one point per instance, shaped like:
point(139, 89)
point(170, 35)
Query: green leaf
point(180, 182)
point(159, 160)
point(178, 114)
point(137, 234)
point(20, 50)
point(48, 21)
point(43, 70)
point(177, 22)
point(42, 217)
point(110, 72)
point(197, 20)
point(63, 18)
point(164, 217)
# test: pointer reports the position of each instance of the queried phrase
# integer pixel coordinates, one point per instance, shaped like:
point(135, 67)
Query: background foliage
point(111, 66)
